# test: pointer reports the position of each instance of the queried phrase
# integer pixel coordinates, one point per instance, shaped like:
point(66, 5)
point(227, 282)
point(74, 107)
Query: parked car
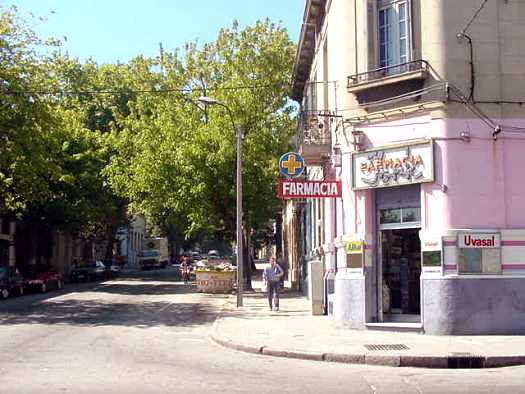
point(10, 281)
point(194, 256)
point(37, 278)
point(112, 270)
point(213, 254)
point(90, 270)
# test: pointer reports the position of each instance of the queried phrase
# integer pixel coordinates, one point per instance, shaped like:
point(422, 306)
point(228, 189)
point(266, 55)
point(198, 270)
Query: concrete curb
point(432, 362)
point(451, 361)
point(440, 362)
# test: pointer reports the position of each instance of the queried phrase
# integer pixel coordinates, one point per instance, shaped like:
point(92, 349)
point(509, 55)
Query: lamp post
point(239, 133)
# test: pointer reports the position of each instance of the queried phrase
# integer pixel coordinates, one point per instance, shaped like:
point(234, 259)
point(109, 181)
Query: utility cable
point(140, 91)
point(474, 17)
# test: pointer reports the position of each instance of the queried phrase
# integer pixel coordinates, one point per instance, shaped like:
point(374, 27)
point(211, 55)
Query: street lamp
point(238, 131)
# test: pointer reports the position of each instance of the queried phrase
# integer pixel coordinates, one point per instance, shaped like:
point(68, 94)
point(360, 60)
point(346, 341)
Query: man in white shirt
point(271, 275)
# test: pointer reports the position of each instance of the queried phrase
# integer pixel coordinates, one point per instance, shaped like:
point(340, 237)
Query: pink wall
point(484, 177)
point(478, 184)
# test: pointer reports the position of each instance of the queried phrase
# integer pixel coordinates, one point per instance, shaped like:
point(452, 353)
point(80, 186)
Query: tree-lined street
point(147, 332)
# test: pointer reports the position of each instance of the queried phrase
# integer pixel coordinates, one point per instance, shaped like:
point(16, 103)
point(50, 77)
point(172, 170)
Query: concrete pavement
point(294, 332)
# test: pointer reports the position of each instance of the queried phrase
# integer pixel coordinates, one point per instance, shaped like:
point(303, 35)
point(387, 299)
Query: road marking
point(192, 340)
point(166, 306)
point(193, 332)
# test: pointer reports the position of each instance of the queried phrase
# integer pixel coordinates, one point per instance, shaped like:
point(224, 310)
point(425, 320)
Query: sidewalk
point(294, 332)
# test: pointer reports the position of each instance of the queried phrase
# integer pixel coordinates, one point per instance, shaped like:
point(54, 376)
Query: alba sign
point(309, 189)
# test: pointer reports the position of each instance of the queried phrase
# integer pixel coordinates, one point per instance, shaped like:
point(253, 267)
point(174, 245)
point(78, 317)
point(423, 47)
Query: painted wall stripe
point(450, 267)
point(513, 243)
point(449, 243)
point(513, 266)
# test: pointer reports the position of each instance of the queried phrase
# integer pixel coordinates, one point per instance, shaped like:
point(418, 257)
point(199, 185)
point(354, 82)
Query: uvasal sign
point(476, 240)
point(309, 189)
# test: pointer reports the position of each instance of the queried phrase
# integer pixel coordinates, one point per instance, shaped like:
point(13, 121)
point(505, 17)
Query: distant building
point(130, 241)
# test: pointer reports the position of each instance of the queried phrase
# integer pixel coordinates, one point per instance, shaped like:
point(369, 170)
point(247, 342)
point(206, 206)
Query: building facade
point(130, 242)
point(416, 107)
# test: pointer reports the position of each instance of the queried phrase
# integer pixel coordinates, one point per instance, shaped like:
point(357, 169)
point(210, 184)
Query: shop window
point(400, 216)
point(479, 261)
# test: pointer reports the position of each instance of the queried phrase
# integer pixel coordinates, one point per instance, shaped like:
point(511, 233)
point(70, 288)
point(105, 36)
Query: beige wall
point(498, 48)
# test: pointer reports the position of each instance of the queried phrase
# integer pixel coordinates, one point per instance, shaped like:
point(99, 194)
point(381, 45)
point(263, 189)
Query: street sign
point(291, 164)
point(289, 188)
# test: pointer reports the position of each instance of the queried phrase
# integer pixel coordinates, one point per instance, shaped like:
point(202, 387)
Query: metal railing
point(314, 129)
point(384, 72)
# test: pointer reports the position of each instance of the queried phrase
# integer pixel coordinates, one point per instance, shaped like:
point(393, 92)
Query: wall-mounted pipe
point(472, 78)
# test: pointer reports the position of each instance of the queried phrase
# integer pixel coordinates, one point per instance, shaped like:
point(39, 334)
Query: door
point(399, 270)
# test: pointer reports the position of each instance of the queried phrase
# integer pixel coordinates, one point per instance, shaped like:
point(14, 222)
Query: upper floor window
point(393, 23)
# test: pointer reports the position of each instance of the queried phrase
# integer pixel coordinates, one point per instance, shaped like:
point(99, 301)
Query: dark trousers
point(273, 293)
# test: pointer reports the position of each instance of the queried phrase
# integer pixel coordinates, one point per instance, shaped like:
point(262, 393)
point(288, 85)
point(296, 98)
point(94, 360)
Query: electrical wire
point(390, 100)
point(473, 108)
point(475, 16)
point(140, 91)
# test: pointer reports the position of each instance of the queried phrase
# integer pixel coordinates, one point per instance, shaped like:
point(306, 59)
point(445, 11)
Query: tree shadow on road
point(83, 313)
point(113, 303)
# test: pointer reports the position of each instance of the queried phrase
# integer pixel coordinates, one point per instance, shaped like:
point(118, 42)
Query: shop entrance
point(400, 275)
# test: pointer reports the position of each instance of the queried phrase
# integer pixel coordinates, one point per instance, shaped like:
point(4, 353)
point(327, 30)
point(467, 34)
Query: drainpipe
point(355, 36)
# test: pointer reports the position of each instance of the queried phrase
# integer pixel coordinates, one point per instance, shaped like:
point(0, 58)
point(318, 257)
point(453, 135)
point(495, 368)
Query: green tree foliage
point(52, 151)
point(28, 127)
point(177, 156)
point(135, 133)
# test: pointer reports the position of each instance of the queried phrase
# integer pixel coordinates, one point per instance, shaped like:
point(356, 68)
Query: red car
point(42, 279)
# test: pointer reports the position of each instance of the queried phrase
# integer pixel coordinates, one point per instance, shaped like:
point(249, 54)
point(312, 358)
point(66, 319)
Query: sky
point(118, 30)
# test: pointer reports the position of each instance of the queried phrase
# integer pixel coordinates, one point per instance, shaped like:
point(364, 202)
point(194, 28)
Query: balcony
point(314, 138)
point(388, 81)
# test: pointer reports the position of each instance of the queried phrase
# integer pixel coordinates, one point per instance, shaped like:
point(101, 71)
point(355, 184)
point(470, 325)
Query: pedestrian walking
point(271, 275)
point(284, 265)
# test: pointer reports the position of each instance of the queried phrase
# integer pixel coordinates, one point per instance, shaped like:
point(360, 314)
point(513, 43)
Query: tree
point(178, 158)
point(51, 155)
point(28, 140)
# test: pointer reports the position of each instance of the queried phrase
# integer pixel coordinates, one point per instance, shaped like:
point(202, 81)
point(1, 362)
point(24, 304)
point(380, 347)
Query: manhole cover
point(396, 346)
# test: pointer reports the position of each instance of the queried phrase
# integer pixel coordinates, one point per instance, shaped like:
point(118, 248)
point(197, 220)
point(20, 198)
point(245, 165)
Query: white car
point(213, 254)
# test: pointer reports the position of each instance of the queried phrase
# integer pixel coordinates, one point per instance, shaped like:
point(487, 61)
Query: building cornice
point(313, 18)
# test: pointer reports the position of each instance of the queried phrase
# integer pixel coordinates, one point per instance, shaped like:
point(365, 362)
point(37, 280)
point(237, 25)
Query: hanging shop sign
point(393, 165)
point(291, 164)
point(432, 256)
point(309, 189)
point(478, 240)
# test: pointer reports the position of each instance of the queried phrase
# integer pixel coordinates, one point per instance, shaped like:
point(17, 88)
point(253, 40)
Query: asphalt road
point(148, 333)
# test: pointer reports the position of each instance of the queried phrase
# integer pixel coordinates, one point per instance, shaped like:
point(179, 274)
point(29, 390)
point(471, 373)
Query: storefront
point(434, 258)
point(395, 173)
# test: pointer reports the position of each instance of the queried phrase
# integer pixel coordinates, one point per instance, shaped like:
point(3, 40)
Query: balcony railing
point(386, 72)
point(314, 137)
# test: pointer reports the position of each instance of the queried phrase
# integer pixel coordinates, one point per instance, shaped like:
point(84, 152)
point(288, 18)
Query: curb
point(432, 362)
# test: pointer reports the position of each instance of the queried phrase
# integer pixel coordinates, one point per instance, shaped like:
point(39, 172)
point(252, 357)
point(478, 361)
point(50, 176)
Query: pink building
point(416, 106)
